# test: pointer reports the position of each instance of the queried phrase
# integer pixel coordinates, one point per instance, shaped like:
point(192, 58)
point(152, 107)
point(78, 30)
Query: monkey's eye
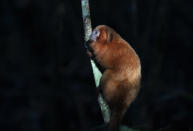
point(95, 34)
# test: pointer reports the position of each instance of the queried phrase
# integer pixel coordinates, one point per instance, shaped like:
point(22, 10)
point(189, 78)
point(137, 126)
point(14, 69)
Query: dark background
point(46, 81)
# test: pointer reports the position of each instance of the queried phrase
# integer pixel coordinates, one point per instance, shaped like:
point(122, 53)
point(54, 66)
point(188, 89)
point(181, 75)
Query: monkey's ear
point(109, 37)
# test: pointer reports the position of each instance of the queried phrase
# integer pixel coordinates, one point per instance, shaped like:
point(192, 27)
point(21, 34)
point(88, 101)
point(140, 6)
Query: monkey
point(121, 75)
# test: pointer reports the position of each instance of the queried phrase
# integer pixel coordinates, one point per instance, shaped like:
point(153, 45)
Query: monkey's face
point(94, 35)
point(99, 40)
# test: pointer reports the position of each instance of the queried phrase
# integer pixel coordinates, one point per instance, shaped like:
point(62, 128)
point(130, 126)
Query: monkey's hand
point(90, 51)
point(93, 38)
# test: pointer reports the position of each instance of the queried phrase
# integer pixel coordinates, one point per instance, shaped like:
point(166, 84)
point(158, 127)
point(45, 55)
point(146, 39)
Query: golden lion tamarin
point(120, 81)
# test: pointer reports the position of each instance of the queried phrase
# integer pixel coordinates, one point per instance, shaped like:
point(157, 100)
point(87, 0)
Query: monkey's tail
point(115, 121)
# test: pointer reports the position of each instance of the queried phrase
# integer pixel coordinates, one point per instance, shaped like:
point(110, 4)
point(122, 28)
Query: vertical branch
point(86, 18)
point(97, 74)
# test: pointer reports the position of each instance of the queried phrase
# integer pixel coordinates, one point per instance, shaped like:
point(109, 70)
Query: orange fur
point(120, 81)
